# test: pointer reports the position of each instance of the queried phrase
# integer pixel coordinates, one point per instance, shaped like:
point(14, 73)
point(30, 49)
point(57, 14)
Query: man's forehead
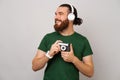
point(62, 9)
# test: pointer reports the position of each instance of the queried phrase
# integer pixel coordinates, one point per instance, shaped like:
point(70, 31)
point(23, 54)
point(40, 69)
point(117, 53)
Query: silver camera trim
point(63, 46)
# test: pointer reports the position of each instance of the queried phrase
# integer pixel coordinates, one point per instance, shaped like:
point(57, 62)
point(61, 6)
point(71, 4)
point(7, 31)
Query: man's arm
point(39, 60)
point(86, 66)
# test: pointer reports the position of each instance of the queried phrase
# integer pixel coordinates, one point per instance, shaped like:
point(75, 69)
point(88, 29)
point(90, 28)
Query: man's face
point(61, 21)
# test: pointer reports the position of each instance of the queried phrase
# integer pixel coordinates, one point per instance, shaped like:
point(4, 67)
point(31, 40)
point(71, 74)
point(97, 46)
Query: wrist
point(48, 55)
point(74, 59)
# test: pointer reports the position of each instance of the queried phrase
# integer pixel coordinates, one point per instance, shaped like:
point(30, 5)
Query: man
point(64, 62)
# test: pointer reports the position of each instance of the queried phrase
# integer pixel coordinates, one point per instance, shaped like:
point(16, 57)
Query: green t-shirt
point(57, 68)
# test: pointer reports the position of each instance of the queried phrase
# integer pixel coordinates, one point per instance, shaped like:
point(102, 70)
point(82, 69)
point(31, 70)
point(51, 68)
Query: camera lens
point(63, 48)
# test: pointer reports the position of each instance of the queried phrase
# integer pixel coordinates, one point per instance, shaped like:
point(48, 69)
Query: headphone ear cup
point(71, 16)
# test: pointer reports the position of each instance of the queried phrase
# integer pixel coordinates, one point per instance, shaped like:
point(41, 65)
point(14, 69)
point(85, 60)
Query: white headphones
point(71, 15)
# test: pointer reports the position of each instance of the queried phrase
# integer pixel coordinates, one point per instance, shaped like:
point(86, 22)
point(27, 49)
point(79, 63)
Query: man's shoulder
point(51, 34)
point(79, 35)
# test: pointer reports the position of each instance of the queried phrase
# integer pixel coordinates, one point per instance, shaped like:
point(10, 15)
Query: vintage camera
point(64, 46)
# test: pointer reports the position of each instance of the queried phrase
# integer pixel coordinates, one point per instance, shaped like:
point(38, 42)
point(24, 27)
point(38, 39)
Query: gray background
point(23, 23)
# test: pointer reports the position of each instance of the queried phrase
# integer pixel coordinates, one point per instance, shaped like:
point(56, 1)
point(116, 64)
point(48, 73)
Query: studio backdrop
point(23, 23)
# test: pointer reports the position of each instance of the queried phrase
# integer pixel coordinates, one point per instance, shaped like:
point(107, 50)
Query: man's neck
point(68, 31)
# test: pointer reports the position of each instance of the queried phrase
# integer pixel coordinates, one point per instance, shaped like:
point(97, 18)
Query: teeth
point(57, 21)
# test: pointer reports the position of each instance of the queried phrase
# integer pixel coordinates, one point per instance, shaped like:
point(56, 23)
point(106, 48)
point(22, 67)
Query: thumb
point(71, 48)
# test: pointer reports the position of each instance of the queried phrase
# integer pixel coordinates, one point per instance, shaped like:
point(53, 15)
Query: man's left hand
point(68, 56)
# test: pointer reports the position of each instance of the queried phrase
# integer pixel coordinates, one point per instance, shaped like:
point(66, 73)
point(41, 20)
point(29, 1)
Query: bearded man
point(65, 51)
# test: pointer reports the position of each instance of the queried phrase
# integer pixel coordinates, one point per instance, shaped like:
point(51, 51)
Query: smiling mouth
point(57, 21)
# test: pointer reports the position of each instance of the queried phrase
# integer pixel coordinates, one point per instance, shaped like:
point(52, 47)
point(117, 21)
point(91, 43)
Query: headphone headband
point(72, 9)
point(71, 15)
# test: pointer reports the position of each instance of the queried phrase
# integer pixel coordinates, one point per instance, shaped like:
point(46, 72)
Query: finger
point(62, 54)
point(58, 41)
point(71, 48)
point(58, 47)
point(65, 54)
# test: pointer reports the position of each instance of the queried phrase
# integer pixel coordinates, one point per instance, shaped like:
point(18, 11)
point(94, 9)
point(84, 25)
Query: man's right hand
point(55, 48)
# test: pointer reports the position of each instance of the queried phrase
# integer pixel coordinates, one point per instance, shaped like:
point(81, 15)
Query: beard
point(64, 25)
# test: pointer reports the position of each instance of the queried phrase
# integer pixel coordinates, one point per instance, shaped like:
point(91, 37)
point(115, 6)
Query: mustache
point(58, 20)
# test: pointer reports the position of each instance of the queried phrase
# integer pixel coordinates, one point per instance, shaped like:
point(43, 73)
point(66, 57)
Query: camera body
point(64, 46)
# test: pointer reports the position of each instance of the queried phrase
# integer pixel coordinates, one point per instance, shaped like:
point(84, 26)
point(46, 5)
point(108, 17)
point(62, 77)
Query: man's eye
point(60, 13)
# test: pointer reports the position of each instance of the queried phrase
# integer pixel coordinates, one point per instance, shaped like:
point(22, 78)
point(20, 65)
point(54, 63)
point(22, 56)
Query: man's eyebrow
point(58, 13)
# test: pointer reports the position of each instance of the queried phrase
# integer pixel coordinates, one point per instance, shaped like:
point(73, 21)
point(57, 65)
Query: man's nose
point(57, 16)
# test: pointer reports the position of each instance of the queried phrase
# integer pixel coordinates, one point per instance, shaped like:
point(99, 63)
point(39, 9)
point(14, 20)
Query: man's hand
point(55, 48)
point(68, 56)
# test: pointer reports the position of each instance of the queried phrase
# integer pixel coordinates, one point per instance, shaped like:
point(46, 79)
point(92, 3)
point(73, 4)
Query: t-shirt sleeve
point(87, 48)
point(43, 44)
